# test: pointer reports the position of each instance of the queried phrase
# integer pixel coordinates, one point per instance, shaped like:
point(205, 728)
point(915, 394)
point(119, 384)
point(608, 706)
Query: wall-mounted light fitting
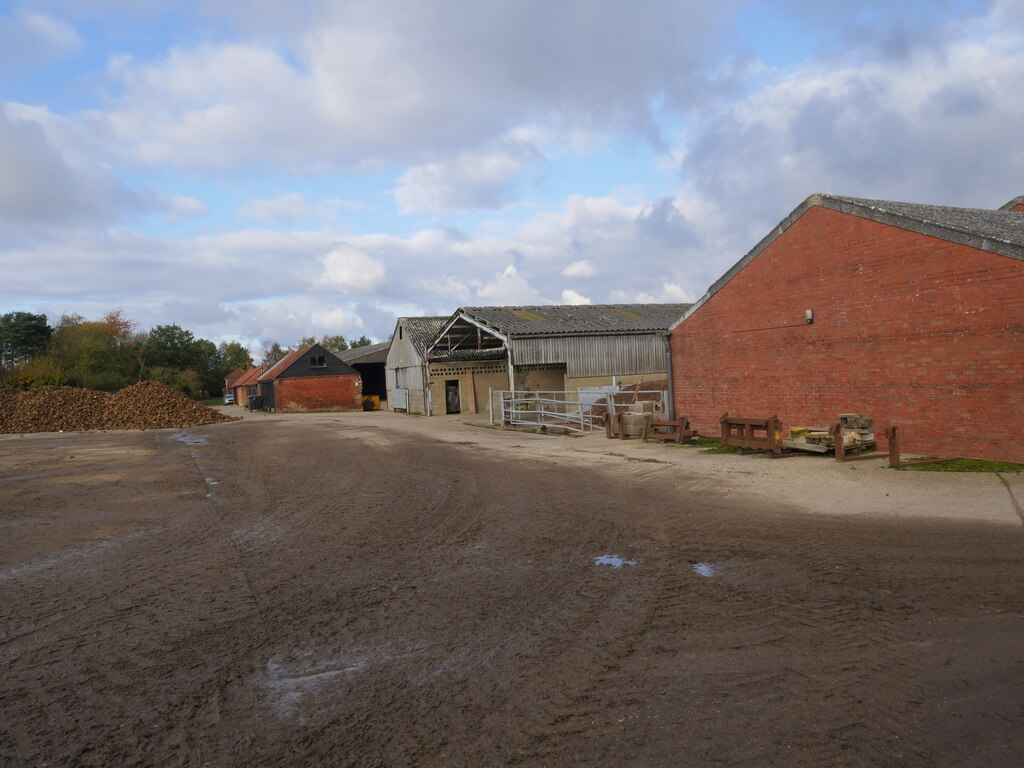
point(809, 315)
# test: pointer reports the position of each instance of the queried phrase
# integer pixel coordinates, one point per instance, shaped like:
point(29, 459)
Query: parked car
point(229, 398)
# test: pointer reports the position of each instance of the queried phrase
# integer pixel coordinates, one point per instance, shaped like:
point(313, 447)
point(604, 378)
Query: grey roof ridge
point(473, 312)
point(866, 210)
point(1018, 200)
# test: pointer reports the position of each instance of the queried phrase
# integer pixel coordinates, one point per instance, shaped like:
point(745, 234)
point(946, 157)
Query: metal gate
point(571, 411)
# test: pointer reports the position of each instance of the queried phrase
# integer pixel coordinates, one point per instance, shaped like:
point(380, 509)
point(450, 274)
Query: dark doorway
point(451, 397)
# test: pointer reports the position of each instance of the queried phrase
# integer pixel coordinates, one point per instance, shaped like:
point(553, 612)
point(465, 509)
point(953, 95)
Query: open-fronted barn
point(909, 314)
point(405, 368)
point(369, 363)
point(545, 348)
point(311, 379)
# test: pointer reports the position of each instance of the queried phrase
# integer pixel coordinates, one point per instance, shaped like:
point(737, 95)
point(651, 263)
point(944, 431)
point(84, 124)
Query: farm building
point(311, 379)
point(369, 362)
point(545, 348)
point(405, 366)
point(246, 383)
point(909, 314)
point(231, 378)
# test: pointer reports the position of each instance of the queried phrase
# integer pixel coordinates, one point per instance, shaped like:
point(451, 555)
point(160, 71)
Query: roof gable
point(296, 365)
point(420, 331)
point(1016, 205)
point(249, 377)
point(999, 232)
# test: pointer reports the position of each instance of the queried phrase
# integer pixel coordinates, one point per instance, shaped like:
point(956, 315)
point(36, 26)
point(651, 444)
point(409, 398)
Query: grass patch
point(967, 465)
point(712, 445)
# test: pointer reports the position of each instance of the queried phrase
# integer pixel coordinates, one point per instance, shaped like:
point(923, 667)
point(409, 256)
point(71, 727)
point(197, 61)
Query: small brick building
point(311, 379)
point(909, 314)
point(244, 383)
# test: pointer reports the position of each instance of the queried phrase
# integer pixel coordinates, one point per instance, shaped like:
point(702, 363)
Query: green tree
point(272, 352)
point(233, 355)
point(171, 346)
point(362, 341)
point(23, 335)
point(98, 354)
point(207, 365)
point(334, 344)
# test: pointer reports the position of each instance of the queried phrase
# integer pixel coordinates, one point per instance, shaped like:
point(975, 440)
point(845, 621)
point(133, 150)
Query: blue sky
point(268, 171)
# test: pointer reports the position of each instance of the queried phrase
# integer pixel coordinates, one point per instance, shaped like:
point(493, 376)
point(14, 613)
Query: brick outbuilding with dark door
point(909, 314)
point(311, 379)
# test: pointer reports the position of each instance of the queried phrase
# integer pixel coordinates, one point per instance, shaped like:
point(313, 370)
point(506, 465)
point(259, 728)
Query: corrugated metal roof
point(372, 353)
point(421, 330)
point(1004, 225)
point(582, 319)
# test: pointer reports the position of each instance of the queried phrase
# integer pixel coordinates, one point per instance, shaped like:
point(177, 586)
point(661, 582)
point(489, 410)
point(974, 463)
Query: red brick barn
point(244, 383)
point(1017, 204)
point(909, 314)
point(311, 379)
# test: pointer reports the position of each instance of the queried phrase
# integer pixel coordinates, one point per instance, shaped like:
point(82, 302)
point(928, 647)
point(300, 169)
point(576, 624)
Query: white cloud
point(468, 180)
point(508, 287)
point(352, 270)
point(942, 128)
point(32, 38)
point(44, 181)
point(289, 208)
point(184, 207)
point(581, 268)
point(368, 81)
point(570, 296)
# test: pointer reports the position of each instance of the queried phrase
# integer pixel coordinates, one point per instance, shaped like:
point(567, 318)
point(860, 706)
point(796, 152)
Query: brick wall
point(1019, 208)
point(319, 393)
point(908, 329)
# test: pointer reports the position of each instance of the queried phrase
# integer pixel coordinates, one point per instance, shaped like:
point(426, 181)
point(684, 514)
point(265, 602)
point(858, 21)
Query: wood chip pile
point(146, 405)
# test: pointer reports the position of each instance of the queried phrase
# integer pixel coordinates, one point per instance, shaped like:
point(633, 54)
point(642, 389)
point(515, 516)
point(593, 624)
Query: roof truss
point(462, 332)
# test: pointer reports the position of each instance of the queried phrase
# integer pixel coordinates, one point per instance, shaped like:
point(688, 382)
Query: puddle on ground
point(613, 560)
point(188, 439)
point(707, 570)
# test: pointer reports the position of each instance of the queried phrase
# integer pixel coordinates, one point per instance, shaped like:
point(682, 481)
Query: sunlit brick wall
point(908, 329)
point(319, 393)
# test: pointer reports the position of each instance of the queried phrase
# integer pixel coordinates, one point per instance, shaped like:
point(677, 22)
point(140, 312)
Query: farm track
point(287, 593)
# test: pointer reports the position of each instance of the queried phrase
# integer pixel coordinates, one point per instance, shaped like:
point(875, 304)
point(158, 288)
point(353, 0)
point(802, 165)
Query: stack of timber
point(857, 434)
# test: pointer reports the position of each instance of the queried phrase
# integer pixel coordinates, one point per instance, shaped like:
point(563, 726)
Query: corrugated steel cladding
point(585, 356)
